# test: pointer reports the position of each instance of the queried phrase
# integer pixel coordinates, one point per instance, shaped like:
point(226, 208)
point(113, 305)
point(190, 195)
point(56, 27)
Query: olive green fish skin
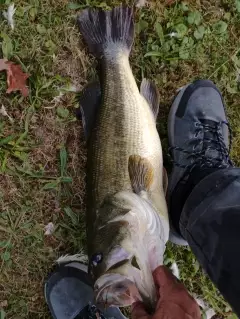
point(125, 127)
point(127, 218)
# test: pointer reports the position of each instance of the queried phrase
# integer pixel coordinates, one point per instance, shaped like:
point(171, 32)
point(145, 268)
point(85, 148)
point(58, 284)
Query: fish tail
point(107, 32)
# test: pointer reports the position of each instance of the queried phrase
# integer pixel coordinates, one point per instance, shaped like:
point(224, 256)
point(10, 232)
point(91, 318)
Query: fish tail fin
point(107, 31)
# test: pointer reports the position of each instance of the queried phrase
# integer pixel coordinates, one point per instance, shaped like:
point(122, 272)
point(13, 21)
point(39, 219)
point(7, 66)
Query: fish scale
point(121, 118)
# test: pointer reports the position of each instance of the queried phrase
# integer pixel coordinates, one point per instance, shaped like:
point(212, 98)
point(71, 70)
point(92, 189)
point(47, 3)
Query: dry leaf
point(3, 65)
point(16, 78)
point(3, 304)
point(175, 270)
point(80, 258)
point(208, 312)
point(9, 15)
point(49, 229)
point(3, 112)
point(141, 3)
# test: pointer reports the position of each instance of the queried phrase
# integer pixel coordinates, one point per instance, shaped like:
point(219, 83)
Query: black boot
point(204, 192)
point(198, 134)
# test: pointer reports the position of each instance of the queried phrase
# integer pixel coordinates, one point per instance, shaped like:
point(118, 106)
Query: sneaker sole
point(77, 270)
point(75, 265)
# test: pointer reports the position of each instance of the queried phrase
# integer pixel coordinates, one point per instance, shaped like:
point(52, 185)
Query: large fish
point(127, 218)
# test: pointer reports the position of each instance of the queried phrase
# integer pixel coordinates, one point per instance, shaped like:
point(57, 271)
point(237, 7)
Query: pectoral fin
point(89, 103)
point(150, 93)
point(140, 173)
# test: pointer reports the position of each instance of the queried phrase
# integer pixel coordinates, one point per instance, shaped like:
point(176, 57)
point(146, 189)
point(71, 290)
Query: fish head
point(116, 284)
point(127, 248)
point(111, 266)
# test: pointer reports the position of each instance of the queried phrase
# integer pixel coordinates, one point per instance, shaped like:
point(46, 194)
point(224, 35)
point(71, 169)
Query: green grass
point(42, 148)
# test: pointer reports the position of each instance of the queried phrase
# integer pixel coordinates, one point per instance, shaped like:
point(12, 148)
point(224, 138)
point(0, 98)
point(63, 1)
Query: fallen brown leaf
point(3, 65)
point(3, 304)
point(16, 78)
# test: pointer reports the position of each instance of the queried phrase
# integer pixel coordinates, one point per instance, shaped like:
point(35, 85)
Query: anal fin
point(89, 103)
point(149, 91)
point(140, 173)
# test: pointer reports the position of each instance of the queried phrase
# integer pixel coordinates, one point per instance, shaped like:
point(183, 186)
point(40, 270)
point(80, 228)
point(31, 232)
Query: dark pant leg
point(210, 222)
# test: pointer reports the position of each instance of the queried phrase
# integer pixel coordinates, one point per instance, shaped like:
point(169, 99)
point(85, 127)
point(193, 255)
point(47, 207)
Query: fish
point(126, 217)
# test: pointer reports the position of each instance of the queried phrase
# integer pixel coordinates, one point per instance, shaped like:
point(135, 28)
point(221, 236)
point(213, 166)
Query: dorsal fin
point(150, 93)
point(89, 103)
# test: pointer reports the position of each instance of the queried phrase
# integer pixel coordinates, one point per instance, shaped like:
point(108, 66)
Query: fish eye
point(96, 259)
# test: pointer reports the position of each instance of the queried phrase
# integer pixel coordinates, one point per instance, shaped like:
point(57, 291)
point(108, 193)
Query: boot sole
point(174, 236)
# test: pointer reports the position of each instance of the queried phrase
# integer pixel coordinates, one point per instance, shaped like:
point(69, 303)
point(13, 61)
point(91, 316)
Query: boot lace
point(212, 142)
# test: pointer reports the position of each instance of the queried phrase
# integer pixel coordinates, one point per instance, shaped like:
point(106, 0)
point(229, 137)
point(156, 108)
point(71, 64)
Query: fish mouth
point(116, 290)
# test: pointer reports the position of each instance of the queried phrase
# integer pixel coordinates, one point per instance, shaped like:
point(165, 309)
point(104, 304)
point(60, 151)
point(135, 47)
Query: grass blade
point(63, 160)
